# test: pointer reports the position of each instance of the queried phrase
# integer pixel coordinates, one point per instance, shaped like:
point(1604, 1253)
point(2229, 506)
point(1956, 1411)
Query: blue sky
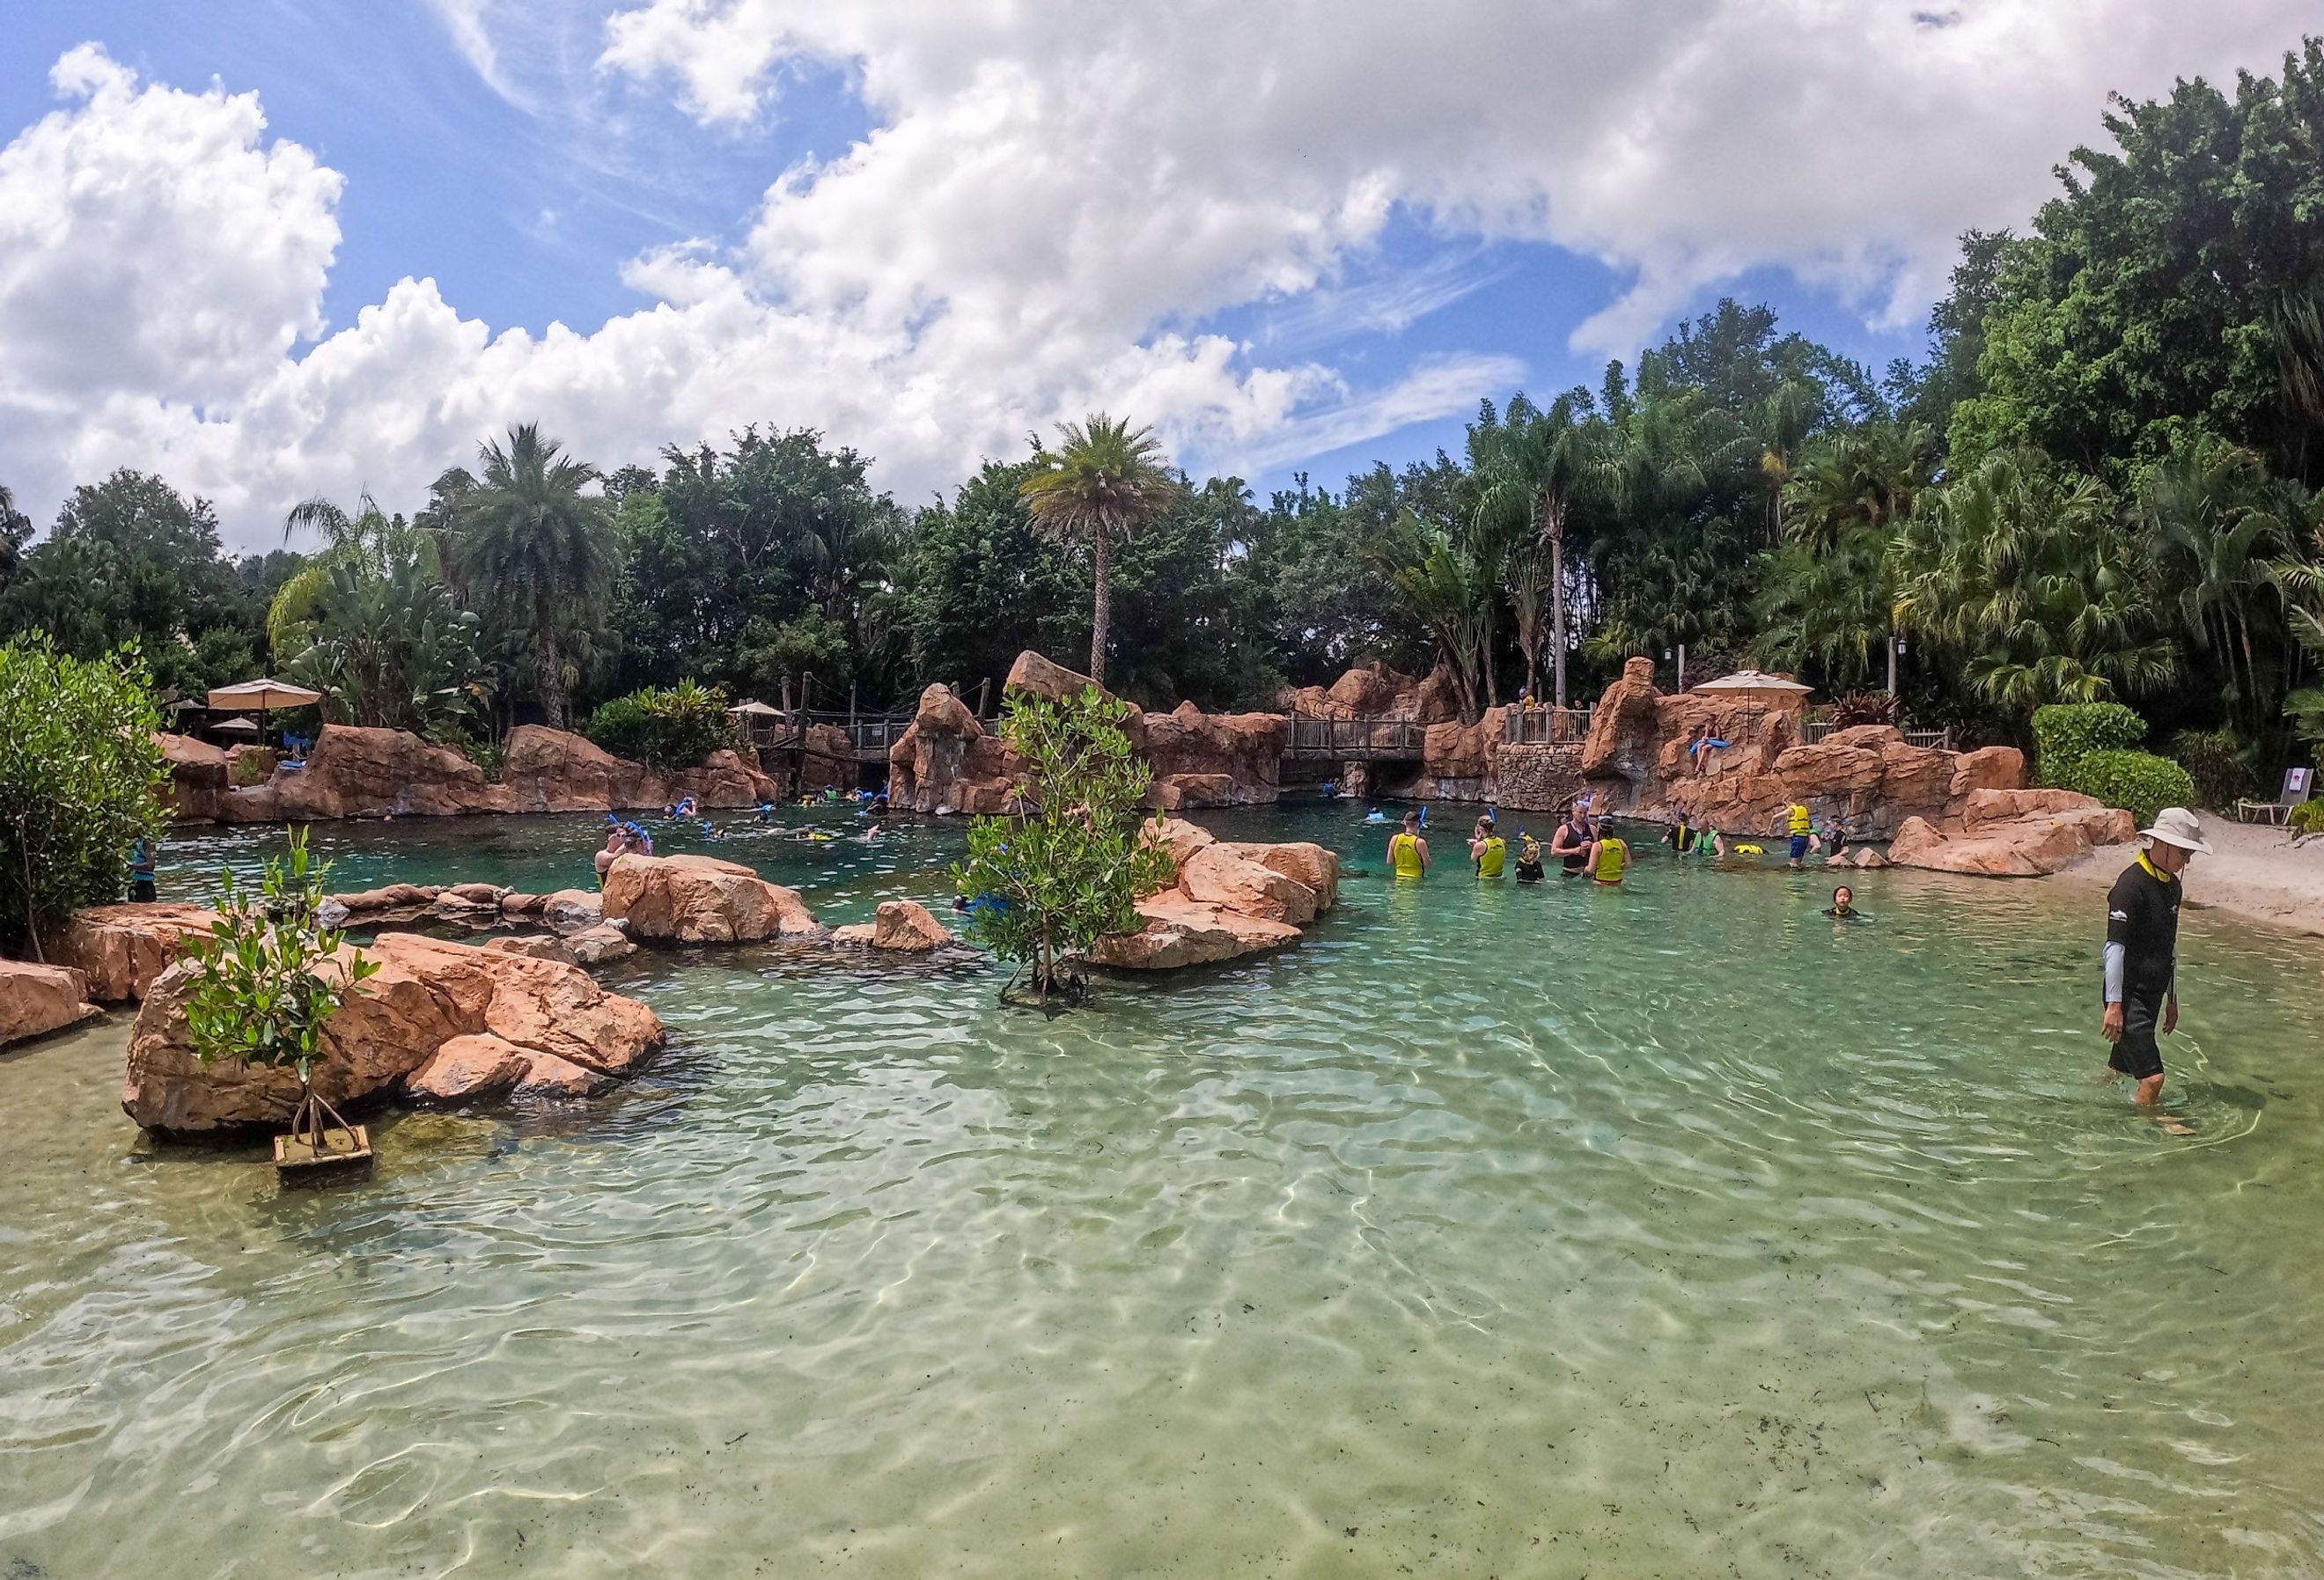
point(1291, 250)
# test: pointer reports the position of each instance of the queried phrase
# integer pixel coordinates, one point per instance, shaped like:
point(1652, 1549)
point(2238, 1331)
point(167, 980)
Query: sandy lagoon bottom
point(1495, 1232)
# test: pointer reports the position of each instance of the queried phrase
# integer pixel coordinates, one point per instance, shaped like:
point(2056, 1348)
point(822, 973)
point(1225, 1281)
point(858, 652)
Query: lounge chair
point(2299, 784)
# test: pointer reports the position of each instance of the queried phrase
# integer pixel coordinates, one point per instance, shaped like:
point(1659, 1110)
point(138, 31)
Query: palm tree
point(1531, 470)
point(1103, 481)
point(537, 552)
point(1450, 583)
point(2031, 573)
point(362, 541)
point(2213, 520)
point(1849, 496)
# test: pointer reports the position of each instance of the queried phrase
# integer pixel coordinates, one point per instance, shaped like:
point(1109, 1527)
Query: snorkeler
point(1609, 859)
point(1528, 858)
point(1488, 849)
point(1374, 816)
point(1407, 852)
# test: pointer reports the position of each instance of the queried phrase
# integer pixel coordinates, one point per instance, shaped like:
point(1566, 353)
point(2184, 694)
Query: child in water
point(1843, 906)
point(1488, 849)
point(1528, 858)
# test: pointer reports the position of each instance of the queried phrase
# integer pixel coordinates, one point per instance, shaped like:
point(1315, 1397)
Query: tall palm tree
point(361, 539)
point(1450, 583)
point(1848, 496)
point(2214, 521)
point(1533, 469)
point(535, 551)
point(1105, 480)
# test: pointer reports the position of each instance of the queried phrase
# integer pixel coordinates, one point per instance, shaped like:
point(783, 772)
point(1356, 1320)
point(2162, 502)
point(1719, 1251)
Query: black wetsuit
point(2142, 916)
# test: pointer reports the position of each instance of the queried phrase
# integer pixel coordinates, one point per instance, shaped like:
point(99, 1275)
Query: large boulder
point(945, 763)
point(1178, 932)
point(556, 771)
point(1233, 759)
point(1221, 876)
point(425, 994)
point(354, 771)
point(904, 926)
point(1989, 768)
point(1037, 676)
point(36, 1000)
point(2013, 834)
point(700, 899)
point(121, 948)
point(199, 776)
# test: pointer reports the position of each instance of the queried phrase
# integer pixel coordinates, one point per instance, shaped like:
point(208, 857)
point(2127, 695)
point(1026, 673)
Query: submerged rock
point(905, 926)
point(701, 899)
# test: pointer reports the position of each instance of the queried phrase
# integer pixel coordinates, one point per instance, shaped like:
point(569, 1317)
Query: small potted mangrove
point(264, 982)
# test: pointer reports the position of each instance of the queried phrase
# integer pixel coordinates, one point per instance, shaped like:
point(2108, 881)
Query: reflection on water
point(1495, 1231)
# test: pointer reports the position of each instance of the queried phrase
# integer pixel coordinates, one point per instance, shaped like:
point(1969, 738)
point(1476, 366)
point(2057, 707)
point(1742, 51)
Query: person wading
point(2142, 949)
point(1407, 852)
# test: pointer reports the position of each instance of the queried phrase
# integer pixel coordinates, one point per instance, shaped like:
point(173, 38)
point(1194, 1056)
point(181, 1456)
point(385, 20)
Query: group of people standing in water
point(1583, 847)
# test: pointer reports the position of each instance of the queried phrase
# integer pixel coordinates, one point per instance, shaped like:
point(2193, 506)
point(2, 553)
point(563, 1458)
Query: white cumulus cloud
point(1053, 204)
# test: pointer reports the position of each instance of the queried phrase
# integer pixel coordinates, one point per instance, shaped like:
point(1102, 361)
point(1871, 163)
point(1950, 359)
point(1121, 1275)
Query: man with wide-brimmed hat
point(2142, 949)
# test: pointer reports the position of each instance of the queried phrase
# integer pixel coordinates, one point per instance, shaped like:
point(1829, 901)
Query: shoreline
point(2253, 872)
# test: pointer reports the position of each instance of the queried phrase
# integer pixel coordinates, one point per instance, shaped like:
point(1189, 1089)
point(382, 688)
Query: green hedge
point(2139, 782)
point(673, 728)
point(2065, 733)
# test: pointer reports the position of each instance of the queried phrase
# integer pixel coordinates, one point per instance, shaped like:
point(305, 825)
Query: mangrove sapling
point(1067, 868)
point(267, 980)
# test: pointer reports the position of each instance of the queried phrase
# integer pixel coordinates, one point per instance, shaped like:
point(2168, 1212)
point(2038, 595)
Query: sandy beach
point(2253, 871)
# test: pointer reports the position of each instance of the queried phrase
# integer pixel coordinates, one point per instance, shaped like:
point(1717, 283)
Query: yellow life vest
point(1801, 821)
point(1613, 856)
point(1490, 859)
point(1403, 851)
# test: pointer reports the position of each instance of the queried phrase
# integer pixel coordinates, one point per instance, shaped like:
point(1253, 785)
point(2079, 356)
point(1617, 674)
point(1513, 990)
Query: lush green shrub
point(2214, 760)
point(2139, 782)
point(80, 782)
point(673, 728)
point(1862, 707)
point(2066, 731)
point(266, 980)
point(1068, 868)
point(2307, 818)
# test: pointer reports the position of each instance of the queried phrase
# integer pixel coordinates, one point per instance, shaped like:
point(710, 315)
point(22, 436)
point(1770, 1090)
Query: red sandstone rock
point(699, 899)
point(536, 947)
point(945, 763)
point(1218, 875)
point(1179, 932)
point(596, 946)
point(2026, 845)
point(36, 1000)
point(469, 1069)
point(356, 772)
point(1989, 768)
point(1037, 676)
point(573, 911)
point(425, 994)
point(1311, 866)
point(548, 1076)
point(199, 776)
point(1179, 837)
point(121, 948)
point(907, 925)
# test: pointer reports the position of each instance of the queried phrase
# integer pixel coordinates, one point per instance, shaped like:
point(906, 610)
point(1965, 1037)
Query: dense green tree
point(1103, 484)
point(980, 585)
point(383, 642)
point(1532, 468)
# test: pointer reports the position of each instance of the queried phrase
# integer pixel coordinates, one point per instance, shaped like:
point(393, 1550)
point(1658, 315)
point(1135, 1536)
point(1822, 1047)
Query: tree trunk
point(1101, 614)
point(552, 678)
point(1556, 525)
point(1892, 658)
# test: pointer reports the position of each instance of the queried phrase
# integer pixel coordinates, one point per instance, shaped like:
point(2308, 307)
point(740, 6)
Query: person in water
point(2141, 962)
point(1802, 827)
point(1407, 851)
point(1843, 906)
point(1374, 816)
point(1488, 849)
point(1609, 859)
point(616, 842)
point(143, 889)
point(1528, 858)
point(1571, 842)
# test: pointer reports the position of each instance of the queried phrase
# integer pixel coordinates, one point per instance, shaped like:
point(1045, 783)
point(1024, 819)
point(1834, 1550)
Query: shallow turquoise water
point(1494, 1230)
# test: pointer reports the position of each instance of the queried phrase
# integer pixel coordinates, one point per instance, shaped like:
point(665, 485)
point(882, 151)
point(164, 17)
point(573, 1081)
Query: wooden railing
point(1354, 740)
point(1546, 726)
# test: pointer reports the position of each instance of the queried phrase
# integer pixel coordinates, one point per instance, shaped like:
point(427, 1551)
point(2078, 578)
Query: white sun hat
point(2178, 826)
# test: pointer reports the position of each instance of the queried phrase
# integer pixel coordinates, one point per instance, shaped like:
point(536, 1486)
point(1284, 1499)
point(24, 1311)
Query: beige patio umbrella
point(235, 726)
point(756, 710)
point(264, 694)
point(1757, 688)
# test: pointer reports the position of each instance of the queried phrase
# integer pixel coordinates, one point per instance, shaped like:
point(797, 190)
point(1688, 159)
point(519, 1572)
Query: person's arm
point(2115, 960)
point(1423, 844)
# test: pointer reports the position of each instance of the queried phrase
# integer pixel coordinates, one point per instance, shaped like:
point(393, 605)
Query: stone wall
point(1538, 778)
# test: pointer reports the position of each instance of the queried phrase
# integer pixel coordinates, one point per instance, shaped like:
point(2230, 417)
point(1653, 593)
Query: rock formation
point(363, 773)
point(121, 948)
point(426, 995)
point(905, 926)
point(945, 762)
point(1228, 900)
point(700, 899)
point(36, 1000)
point(2013, 834)
point(1374, 690)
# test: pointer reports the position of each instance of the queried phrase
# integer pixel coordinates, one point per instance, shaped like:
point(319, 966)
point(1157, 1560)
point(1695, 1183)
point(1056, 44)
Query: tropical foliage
point(672, 727)
point(80, 782)
point(1104, 483)
point(1067, 868)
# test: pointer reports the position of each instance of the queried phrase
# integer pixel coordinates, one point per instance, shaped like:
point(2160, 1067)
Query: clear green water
point(1494, 1231)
